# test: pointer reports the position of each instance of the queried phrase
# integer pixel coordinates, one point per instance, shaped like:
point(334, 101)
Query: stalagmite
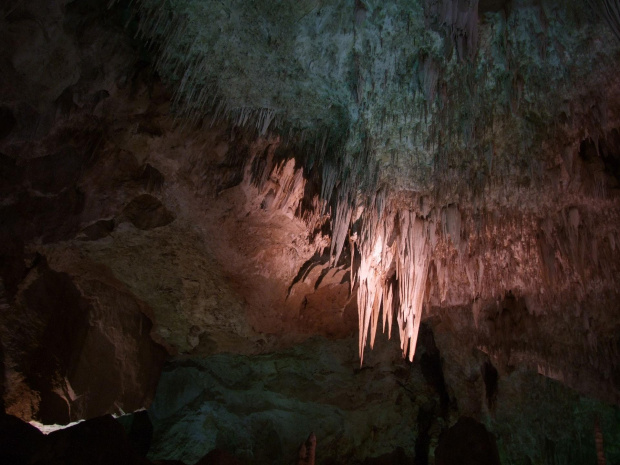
point(307, 451)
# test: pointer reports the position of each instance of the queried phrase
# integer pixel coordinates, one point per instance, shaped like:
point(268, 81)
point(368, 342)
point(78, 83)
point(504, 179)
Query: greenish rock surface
point(538, 420)
point(261, 408)
point(428, 91)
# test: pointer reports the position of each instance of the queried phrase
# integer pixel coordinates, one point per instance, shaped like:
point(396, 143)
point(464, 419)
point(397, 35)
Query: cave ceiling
point(400, 93)
point(411, 113)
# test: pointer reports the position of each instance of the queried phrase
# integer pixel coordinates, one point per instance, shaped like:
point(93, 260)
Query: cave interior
point(209, 209)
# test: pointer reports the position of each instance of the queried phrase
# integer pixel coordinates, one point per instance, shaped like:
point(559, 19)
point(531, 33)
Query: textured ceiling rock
point(393, 84)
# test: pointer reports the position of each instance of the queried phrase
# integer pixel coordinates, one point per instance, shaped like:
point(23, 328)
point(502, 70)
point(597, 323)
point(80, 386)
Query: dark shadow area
point(7, 121)
point(490, 376)
point(423, 440)
point(59, 305)
point(139, 430)
point(398, 457)
point(219, 457)
point(493, 6)
point(147, 212)
point(467, 443)
point(98, 441)
point(431, 365)
point(610, 153)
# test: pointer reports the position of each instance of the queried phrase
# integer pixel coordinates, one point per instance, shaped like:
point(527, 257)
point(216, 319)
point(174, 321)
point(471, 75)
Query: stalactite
point(330, 177)
point(609, 10)
point(451, 222)
point(291, 182)
point(340, 228)
point(381, 252)
point(428, 79)
point(460, 18)
point(411, 272)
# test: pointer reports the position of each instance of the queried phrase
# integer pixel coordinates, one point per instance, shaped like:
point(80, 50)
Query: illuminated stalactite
point(393, 243)
point(398, 242)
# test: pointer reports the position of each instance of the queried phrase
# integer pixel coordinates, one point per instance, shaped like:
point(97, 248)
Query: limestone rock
point(87, 349)
point(260, 408)
point(215, 184)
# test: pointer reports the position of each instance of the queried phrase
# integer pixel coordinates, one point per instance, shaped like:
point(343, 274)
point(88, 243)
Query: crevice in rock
point(490, 376)
point(423, 440)
point(431, 365)
point(97, 230)
point(152, 178)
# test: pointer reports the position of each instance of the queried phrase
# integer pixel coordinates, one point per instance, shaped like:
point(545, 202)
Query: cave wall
point(125, 234)
point(444, 407)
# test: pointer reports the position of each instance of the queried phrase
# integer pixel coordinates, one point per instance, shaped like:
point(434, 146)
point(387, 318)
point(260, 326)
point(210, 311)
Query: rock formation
point(307, 451)
point(218, 198)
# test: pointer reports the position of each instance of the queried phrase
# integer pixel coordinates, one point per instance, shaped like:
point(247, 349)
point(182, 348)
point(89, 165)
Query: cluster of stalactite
point(392, 245)
point(460, 19)
point(335, 81)
point(408, 251)
point(431, 116)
